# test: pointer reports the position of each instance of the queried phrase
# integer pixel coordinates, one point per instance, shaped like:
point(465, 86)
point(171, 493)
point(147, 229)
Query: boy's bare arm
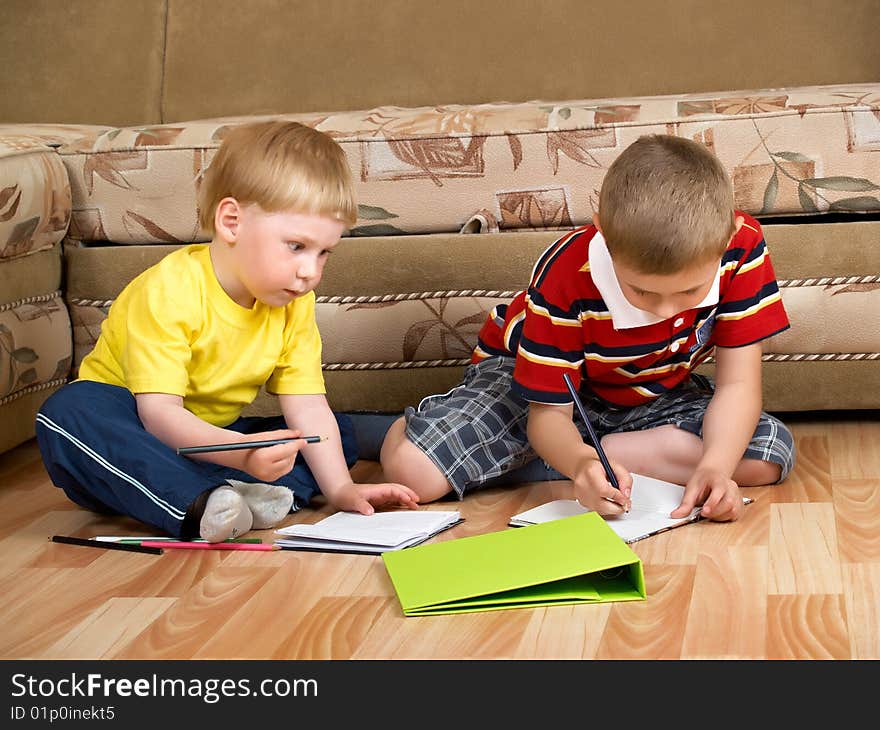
point(555, 438)
point(327, 460)
point(728, 426)
point(164, 416)
point(733, 412)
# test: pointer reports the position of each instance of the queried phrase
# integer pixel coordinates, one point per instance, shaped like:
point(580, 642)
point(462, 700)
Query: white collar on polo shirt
point(623, 314)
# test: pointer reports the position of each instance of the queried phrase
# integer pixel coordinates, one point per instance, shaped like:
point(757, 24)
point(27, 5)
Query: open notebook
point(349, 532)
point(652, 501)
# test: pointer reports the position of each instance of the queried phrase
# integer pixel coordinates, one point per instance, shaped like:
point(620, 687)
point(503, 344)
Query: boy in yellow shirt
point(188, 344)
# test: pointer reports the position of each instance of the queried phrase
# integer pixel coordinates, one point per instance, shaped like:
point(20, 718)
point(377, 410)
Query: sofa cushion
point(35, 350)
point(35, 333)
point(34, 196)
point(429, 307)
point(519, 166)
point(27, 276)
point(51, 135)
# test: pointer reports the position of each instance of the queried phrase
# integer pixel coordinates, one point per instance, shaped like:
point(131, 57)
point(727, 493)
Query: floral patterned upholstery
point(534, 165)
point(35, 329)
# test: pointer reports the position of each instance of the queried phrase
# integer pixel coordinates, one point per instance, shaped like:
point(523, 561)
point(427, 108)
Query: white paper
point(652, 502)
point(378, 532)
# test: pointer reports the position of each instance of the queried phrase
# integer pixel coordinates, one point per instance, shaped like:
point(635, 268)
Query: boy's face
point(668, 294)
point(277, 257)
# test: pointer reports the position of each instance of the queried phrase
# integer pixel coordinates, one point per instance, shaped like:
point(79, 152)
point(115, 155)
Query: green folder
point(576, 559)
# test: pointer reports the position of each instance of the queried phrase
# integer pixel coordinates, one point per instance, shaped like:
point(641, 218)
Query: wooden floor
point(798, 577)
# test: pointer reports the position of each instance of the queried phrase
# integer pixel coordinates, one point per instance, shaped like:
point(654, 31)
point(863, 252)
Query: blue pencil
point(247, 444)
point(609, 472)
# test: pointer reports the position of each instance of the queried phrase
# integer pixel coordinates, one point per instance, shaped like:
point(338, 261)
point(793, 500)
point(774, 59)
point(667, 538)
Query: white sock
point(226, 515)
point(268, 503)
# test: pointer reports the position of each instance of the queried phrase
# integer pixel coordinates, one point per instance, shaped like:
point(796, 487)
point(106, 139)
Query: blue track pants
point(97, 450)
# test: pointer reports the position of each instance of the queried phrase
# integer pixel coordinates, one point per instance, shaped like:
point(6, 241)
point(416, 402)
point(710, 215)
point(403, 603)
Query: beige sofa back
point(152, 61)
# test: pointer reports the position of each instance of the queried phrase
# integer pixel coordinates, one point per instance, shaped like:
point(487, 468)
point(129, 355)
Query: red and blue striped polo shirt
point(562, 323)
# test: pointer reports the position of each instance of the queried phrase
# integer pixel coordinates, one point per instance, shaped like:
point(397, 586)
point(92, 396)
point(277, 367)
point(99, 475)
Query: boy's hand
point(719, 495)
point(364, 497)
point(593, 490)
point(269, 463)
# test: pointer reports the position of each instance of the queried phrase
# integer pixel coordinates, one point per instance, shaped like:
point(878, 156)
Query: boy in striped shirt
point(668, 274)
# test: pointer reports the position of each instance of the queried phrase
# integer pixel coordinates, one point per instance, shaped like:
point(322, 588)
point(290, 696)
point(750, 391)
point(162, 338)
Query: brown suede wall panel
point(395, 264)
point(81, 61)
point(101, 272)
point(503, 261)
point(110, 62)
point(817, 385)
point(825, 249)
point(225, 57)
point(26, 276)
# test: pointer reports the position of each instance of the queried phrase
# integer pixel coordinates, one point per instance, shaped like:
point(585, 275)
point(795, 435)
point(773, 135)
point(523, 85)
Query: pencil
point(609, 472)
point(153, 549)
point(247, 444)
point(154, 538)
point(261, 546)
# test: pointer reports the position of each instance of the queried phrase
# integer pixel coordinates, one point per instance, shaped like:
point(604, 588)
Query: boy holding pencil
point(188, 344)
point(668, 274)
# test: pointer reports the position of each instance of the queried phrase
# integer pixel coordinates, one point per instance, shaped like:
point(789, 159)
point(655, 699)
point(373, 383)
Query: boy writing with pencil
point(189, 342)
point(668, 274)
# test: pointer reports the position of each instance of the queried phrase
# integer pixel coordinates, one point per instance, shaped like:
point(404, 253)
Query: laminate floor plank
point(728, 609)
point(856, 506)
point(199, 617)
point(807, 627)
point(862, 596)
point(804, 558)
point(108, 629)
point(651, 629)
point(564, 632)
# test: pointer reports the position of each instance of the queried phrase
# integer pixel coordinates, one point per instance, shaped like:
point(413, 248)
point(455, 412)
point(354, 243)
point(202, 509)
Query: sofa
point(465, 171)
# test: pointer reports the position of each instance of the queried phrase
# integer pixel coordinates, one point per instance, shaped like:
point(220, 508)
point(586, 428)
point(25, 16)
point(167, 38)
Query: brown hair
point(666, 204)
point(279, 166)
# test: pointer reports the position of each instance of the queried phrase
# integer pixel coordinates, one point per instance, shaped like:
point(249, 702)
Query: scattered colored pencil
point(151, 538)
point(262, 546)
point(247, 445)
point(153, 548)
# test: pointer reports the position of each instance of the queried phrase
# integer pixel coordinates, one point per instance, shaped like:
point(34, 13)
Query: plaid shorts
point(476, 433)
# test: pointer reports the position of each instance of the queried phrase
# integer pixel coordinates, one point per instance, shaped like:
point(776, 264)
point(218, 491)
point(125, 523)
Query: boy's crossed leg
point(405, 463)
point(671, 453)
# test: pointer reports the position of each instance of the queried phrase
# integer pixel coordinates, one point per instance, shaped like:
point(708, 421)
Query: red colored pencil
point(212, 545)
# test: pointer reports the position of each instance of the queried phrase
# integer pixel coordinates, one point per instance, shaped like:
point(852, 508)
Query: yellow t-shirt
point(174, 330)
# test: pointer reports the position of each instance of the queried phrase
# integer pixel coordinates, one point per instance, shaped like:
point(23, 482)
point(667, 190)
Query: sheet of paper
point(652, 502)
point(334, 546)
point(386, 530)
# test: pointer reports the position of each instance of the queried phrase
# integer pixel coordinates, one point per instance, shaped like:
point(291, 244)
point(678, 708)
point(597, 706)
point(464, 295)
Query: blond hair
point(666, 204)
point(280, 166)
